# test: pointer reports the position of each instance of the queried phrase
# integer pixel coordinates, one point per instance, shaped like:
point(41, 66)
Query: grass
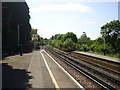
point(110, 55)
point(115, 56)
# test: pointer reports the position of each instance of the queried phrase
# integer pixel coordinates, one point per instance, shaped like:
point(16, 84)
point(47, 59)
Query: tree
point(111, 33)
point(57, 37)
point(34, 31)
point(98, 46)
point(65, 42)
point(10, 22)
point(69, 45)
point(70, 35)
point(45, 40)
point(84, 42)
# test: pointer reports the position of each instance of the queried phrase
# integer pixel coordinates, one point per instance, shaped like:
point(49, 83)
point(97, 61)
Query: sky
point(52, 17)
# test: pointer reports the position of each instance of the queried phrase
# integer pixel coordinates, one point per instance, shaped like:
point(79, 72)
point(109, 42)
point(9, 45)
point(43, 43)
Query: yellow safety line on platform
point(51, 75)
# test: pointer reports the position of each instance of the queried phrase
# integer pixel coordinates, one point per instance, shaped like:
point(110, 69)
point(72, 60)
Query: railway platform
point(34, 70)
point(100, 56)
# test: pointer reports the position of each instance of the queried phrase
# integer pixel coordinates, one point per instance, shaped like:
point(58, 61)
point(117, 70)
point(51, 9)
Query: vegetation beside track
point(110, 55)
point(108, 44)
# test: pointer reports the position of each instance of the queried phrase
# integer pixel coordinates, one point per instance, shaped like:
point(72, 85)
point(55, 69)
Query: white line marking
point(51, 75)
point(30, 63)
point(80, 86)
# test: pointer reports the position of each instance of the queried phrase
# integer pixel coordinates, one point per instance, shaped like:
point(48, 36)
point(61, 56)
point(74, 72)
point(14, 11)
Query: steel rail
point(98, 81)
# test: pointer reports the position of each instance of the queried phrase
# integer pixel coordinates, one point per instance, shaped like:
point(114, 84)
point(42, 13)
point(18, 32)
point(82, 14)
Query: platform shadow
point(14, 78)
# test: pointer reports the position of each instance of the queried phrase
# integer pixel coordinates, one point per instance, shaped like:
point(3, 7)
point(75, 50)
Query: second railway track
point(107, 78)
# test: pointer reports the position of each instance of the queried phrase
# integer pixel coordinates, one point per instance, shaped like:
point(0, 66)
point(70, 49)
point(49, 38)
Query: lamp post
point(103, 28)
point(19, 33)
point(84, 41)
point(19, 46)
point(104, 42)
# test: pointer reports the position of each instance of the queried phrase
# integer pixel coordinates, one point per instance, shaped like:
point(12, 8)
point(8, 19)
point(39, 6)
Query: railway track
point(105, 77)
point(109, 65)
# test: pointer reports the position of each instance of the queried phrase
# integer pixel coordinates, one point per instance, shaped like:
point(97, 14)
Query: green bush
point(69, 45)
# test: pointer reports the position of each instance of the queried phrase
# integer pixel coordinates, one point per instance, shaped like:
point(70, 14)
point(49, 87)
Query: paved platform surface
point(101, 56)
point(30, 71)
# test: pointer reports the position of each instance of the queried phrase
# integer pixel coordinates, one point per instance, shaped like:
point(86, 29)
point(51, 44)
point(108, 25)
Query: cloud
point(62, 7)
point(42, 1)
point(73, 17)
point(91, 22)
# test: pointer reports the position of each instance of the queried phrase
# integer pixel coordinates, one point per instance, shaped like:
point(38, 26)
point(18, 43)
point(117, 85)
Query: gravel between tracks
point(83, 80)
